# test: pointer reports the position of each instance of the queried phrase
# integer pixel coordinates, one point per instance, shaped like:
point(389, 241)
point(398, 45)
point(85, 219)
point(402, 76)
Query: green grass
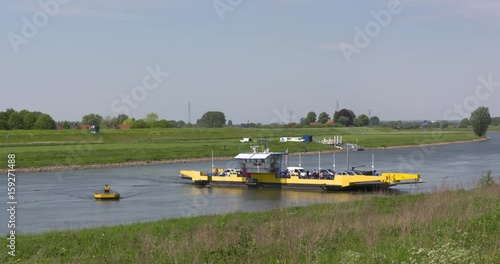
point(441, 227)
point(76, 147)
point(494, 128)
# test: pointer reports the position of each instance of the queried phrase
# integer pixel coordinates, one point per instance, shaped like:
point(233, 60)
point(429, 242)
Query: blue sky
point(257, 61)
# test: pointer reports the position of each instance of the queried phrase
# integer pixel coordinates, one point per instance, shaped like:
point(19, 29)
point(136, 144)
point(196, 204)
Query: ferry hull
point(270, 180)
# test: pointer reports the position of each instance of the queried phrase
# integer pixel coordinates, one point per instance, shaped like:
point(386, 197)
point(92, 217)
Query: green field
point(494, 128)
point(35, 149)
point(440, 227)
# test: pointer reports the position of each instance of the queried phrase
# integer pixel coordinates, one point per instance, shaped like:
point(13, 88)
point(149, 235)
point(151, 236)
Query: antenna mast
point(189, 112)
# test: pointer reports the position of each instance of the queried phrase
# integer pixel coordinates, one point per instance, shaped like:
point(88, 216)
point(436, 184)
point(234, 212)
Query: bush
point(480, 120)
point(139, 124)
point(45, 122)
point(487, 180)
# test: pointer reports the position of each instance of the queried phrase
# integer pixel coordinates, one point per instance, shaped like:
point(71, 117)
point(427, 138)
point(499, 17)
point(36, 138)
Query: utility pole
point(189, 112)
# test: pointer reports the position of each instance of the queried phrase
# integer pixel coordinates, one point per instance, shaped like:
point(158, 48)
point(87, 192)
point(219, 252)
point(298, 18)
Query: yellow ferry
point(265, 170)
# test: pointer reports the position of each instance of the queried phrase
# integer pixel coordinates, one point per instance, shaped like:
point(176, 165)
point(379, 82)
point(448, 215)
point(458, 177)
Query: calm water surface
point(63, 200)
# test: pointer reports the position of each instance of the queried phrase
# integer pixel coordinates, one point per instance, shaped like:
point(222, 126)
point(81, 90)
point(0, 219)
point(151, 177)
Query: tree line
point(25, 119)
point(209, 119)
point(479, 121)
point(11, 119)
point(151, 120)
point(342, 118)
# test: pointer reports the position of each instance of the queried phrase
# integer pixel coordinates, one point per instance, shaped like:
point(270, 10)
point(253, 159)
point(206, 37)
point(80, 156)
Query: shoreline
point(193, 160)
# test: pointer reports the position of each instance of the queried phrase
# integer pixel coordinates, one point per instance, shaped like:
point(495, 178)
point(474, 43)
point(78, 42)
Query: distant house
point(82, 127)
point(124, 126)
point(330, 122)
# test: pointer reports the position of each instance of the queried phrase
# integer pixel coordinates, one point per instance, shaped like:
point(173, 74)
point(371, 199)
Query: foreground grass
point(440, 227)
point(77, 147)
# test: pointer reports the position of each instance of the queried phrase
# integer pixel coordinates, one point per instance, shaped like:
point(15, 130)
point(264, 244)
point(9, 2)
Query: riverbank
point(452, 226)
point(208, 159)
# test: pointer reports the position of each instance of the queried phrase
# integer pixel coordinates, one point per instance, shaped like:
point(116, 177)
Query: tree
point(362, 120)
point(29, 119)
point(480, 120)
point(444, 124)
point(106, 121)
point(495, 121)
point(178, 124)
point(66, 125)
point(394, 124)
point(173, 123)
point(151, 117)
point(342, 121)
point(212, 119)
point(119, 119)
point(4, 118)
point(161, 124)
point(464, 123)
point(139, 124)
point(181, 123)
point(310, 118)
point(92, 119)
point(374, 121)
point(45, 122)
point(9, 111)
point(38, 114)
point(128, 121)
point(15, 121)
point(348, 114)
point(323, 117)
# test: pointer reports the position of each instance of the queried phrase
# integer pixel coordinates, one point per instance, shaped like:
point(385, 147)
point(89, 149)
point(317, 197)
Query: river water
point(63, 200)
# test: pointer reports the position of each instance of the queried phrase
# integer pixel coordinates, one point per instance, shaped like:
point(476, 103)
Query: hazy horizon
point(256, 61)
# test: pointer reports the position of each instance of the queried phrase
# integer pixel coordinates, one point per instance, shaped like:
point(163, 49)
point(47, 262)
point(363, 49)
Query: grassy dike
point(39, 149)
point(461, 226)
